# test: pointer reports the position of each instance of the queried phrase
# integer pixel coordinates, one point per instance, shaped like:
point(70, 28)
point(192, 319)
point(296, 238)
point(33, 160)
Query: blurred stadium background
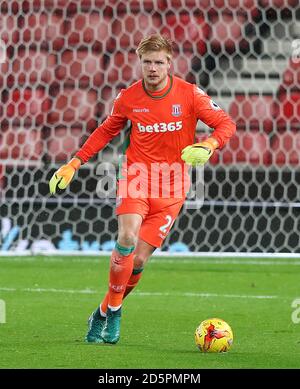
point(62, 63)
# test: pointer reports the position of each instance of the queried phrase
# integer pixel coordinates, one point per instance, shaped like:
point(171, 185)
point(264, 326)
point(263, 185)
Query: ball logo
point(160, 127)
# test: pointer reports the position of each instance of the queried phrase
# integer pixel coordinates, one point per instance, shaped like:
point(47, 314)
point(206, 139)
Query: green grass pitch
point(48, 301)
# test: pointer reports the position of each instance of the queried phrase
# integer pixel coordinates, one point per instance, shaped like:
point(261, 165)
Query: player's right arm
point(102, 135)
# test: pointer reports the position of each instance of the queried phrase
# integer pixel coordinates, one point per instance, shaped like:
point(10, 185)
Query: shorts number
point(165, 227)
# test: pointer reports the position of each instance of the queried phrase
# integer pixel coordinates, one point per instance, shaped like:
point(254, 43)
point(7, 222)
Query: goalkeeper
point(163, 111)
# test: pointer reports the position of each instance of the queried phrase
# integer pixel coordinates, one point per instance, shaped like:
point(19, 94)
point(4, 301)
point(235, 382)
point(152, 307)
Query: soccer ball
point(213, 336)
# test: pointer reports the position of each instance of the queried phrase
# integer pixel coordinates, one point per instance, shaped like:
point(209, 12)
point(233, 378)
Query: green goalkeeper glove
point(199, 153)
point(63, 176)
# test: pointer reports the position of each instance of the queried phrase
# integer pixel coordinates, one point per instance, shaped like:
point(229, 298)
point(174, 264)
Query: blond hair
point(155, 42)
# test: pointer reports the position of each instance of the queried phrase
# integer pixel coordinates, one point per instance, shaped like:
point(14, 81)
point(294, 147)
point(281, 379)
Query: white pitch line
point(190, 294)
point(154, 260)
point(154, 294)
point(49, 290)
point(214, 254)
point(8, 289)
point(199, 261)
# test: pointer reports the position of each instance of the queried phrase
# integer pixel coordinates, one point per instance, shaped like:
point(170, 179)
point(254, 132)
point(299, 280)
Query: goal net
point(62, 63)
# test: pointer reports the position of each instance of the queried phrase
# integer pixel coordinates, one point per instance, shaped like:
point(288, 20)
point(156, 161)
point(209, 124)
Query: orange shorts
point(158, 216)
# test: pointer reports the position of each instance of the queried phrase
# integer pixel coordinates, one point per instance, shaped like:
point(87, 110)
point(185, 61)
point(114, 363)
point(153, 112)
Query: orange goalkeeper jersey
point(162, 123)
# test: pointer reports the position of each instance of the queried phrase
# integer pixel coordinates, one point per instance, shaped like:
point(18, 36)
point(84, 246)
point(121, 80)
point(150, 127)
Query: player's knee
point(139, 261)
point(127, 238)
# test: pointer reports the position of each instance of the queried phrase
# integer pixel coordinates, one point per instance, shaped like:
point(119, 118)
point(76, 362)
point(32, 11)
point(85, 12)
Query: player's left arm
point(213, 116)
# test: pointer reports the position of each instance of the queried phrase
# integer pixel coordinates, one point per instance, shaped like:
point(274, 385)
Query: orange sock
point(133, 281)
point(120, 271)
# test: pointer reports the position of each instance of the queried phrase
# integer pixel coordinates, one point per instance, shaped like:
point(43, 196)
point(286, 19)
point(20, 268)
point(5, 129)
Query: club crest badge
point(176, 110)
